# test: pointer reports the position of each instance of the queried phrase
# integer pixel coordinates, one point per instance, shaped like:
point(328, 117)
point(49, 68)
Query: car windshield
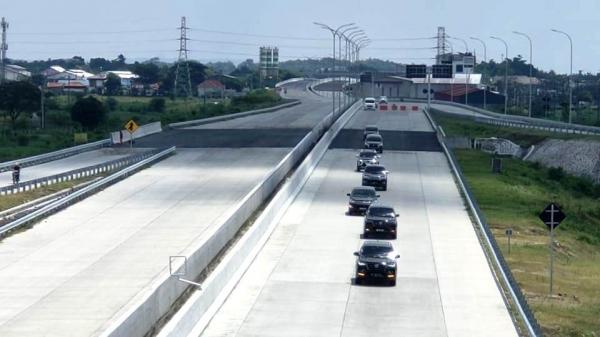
point(382, 212)
point(374, 138)
point(376, 251)
point(362, 193)
point(369, 101)
point(374, 169)
point(367, 155)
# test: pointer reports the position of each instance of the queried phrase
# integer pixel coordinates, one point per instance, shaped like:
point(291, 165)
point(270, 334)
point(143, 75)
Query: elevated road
point(76, 272)
point(81, 160)
point(301, 282)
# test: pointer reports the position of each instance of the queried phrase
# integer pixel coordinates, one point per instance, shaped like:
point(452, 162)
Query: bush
point(556, 173)
point(157, 104)
point(22, 140)
point(89, 112)
point(111, 104)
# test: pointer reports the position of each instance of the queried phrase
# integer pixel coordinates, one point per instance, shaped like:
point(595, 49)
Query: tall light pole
point(360, 44)
point(570, 72)
point(505, 74)
point(484, 60)
point(341, 31)
point(333, 62)
point(352, 38)
point(465, 70)
point(530, 67)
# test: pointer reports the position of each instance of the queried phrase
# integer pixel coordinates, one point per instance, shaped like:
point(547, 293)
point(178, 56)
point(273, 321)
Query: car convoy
point(376, 259)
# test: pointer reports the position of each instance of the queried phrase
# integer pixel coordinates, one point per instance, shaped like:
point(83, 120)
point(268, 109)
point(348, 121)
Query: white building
point(14, 72)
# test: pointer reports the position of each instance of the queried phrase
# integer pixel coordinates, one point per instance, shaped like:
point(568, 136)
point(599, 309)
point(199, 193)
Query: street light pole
point(484, 60)
point(570, 72)
point(505, 74)
point(333, 62)
point(465, 70)
point(341, 34)
point(530, 66)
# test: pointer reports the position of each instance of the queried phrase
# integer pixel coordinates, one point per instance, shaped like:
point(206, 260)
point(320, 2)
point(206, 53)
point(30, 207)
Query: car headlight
point(389, 264)
point(362, 264)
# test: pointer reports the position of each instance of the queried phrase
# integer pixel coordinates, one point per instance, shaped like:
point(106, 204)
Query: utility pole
point(183, 82)
point(505, 73)
point(3, 49)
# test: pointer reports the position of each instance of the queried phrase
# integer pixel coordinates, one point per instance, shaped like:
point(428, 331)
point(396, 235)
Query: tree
point(149, 73)
point(112, 84)
point(100, 64)
point(157, 104)
point(17, 98)
point(89, 112)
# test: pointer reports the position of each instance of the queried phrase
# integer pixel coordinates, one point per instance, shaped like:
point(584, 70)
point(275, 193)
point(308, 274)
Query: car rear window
point(374, 169)
point(371, 128)
point(369, 101)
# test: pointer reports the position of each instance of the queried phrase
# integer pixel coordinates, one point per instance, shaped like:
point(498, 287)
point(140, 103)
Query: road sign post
point(552, 216)
point(131, 126)
point(509, 233)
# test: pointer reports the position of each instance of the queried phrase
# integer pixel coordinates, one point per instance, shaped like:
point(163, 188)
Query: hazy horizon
point(233, 30)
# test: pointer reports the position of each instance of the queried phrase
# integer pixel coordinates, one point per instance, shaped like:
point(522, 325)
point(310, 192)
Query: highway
point(75, 272)
point(301, 283)
point(77, 161)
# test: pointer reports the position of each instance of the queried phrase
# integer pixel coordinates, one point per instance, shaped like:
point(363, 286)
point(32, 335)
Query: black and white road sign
point(552, 216)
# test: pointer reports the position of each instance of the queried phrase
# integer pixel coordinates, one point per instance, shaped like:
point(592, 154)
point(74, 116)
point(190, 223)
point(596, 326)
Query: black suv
point(380, 219)
point(376, 260)
point(366, 157)
point(374, 141)
point(360, 199)
point(376, 176)
point(370, 129)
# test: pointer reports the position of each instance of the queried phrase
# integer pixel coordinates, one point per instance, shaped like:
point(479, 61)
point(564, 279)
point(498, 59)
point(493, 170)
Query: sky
point(234, 29)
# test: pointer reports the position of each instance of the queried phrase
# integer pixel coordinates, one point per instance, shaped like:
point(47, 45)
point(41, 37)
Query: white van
point(369, 103)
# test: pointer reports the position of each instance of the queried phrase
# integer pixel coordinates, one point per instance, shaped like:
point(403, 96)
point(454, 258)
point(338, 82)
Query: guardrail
point(518, 121)
point(75, 174)
point(159, 296)
point(231, 116)
point(195, 314)
point(86, 191)
point(532, 325)
point(46, 157)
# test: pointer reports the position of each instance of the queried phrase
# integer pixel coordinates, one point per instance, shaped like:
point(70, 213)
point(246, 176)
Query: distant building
point(14, 72)
point(211, 88)
point(269, 63)
point(59, 79)
point(127, 78)
point(462, 63)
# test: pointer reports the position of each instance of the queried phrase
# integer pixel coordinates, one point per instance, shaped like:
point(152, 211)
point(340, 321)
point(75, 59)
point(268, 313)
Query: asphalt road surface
point(301, 283)
point(81, 160)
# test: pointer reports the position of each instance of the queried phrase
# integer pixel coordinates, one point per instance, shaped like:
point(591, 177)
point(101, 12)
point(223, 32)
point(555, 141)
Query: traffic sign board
point(131, 126)
point(552, 216)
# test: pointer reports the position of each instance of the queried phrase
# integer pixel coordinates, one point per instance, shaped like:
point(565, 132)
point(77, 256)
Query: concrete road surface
point(392, 120)
point(70, 274)
point(301, 284)
point(81, 160)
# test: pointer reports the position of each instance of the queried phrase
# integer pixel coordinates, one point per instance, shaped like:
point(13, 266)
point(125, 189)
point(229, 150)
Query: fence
point(76, 174)
point(46, 157)
point(532, 325)
point(86, 191)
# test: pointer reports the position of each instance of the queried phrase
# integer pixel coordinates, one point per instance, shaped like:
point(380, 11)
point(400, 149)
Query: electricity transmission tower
point(183, 82)
point(3, 48)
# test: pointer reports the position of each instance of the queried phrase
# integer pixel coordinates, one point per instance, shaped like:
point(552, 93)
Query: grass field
point(456, 126)
point(513, 199)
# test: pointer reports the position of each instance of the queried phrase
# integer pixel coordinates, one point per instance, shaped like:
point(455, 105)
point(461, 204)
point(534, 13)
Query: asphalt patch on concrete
point(227, 138)
point(392, 140)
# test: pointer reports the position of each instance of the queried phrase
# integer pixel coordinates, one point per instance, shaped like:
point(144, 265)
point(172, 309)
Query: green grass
point(26, 140)
point(514, 199)
point(456, 126)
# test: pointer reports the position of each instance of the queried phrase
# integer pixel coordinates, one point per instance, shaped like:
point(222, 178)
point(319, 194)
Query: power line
point(260, 35)
point(91, 42)
point(94, 32)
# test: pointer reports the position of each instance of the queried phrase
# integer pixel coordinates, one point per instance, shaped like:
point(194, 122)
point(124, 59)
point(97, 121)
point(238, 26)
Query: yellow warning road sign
point(131, 126)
